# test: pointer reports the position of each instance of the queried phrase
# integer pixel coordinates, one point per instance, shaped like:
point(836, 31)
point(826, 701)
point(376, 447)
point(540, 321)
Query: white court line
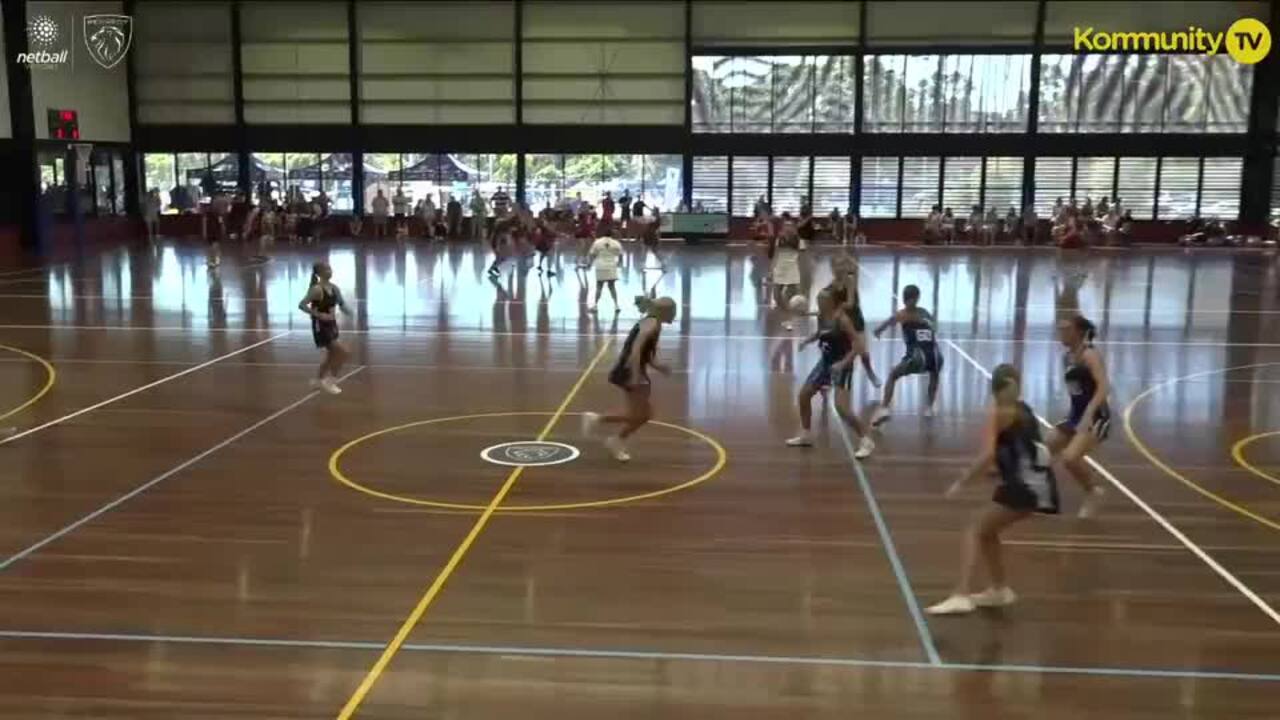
point(137, 390)
point(1160, 519)
point(160, 478)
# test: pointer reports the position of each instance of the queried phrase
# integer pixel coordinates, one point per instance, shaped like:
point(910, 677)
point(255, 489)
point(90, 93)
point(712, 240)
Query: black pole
point(686, 160)
point(1258, 172)
point(518, 92)
point(243, 177)
point(132, 158)
point(23, 177)
point(1033, 109)
point(353, 67)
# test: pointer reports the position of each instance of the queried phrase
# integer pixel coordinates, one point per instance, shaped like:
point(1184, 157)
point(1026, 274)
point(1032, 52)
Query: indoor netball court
point(189, 531)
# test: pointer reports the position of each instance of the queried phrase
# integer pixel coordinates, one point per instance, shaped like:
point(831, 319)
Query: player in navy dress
point(1089, 420)
point(840, 343)
point(923, 354)
point(631, 374)
point(321, 303)
point(1026, 486)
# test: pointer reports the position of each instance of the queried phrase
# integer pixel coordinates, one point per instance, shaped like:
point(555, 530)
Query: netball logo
point(107, 38)
point(530, 452)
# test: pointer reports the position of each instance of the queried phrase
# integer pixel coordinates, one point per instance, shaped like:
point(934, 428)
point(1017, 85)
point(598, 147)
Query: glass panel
point(793, 94)
point(750, 184)
point(711, 104)
point(1004, 184)
point(1185, 104)
point(544, 179)
point(1230, 84)
point(662, 181)
point(1220, 192)
point(831, 185)
point(1178, 180)
point(960, 184)
point(752, 82)
point(1094, 179)
point(711, 183)
point(159, 173)
point(1137, 190)
point(919, 185)
point(790, 183)
point(1053, 183)
point(879, 191)
point(883, 93)
point(834, 88)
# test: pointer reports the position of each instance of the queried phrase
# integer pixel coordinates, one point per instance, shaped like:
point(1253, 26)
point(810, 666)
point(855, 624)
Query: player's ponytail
point(316, 268)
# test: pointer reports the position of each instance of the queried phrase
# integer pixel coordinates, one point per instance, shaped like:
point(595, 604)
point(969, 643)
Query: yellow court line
point(1146, 452)
point(335, 470)
point(1237, 452)
point(437, 585)
point(51, 376)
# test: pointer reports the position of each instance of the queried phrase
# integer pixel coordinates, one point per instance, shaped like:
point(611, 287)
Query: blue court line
point(552, 652)
point(908, 595)
point(158, 479)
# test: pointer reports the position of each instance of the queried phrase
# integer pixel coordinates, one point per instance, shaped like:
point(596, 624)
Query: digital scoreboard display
point(64, 125)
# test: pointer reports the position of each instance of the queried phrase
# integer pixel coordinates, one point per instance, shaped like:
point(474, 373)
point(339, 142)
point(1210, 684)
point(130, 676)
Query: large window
point(439, 175)
point(1144, 93)
point(946, 93)
point(767, 94)
point(603, 62)
point(711, 183)
point(879, 189)
point(750, 183)
point(437, 62)
point(331, 174)
point(654, 178)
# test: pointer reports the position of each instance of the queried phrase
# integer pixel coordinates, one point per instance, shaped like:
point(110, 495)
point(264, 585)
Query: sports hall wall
point(886, 107)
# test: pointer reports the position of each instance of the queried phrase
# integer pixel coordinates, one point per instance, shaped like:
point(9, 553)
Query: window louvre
point(711, 182)
point(750, 183)
point(1095, 178)
point(879, 187)
point(1137, 190)
point(830, 184)
point(1220, 189)
point(1178, 179)
point(962, 179)
point(1053, 181)
point(790, 183)
point(919, 186)
point(1004, 184)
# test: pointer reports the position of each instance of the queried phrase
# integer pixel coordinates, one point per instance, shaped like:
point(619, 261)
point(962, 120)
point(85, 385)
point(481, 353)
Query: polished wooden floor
point(174, 545)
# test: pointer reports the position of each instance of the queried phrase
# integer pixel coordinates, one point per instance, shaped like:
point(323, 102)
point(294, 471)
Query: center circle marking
point(529, 453)
point(335, 468)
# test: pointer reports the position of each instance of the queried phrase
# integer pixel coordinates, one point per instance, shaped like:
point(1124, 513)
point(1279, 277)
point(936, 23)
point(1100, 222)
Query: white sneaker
point(590, 421)
point(804, 439)
point(316, 383)
point(787, 326)
point(330, 386)
point(1092, 501)
point(615, 446)
point(928, 411)
point(994, 597)
point(866, 446)
point(879, 416)
point(954, 605)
